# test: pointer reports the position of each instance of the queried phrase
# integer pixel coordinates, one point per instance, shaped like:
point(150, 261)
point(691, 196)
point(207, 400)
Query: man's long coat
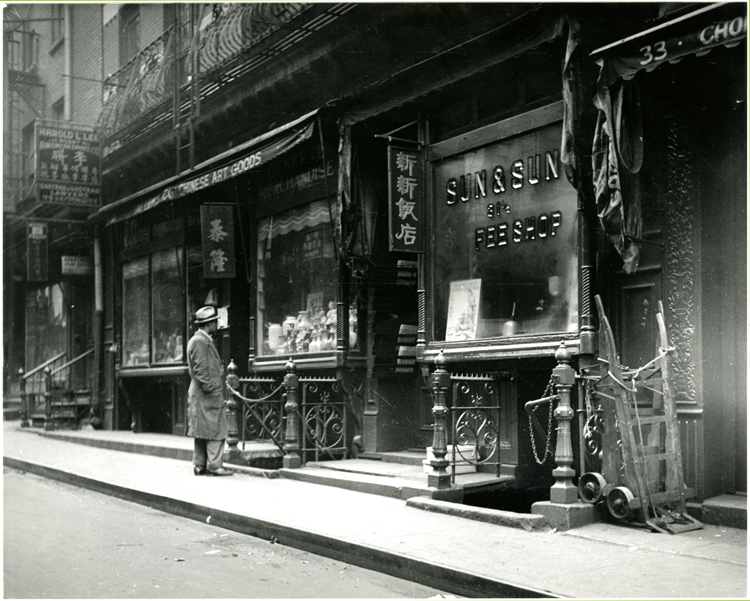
point(206, 415)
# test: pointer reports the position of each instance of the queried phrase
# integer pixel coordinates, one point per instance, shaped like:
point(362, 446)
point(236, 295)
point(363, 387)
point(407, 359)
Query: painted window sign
point(505, 220)
point(68, 165)
point(405, 200)
point(217, 226)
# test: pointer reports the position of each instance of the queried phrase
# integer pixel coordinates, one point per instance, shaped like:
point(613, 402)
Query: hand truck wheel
point(618, 502)
point(590, 487)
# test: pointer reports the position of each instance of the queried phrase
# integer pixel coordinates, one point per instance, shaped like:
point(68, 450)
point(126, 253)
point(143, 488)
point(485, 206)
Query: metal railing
point(33, 386)
point(306, 418)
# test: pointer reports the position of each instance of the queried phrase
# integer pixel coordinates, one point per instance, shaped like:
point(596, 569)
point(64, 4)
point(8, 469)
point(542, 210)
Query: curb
point(528, 522)
point(442, 577)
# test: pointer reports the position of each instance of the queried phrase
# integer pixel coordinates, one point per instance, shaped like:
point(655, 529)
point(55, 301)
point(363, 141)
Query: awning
point(697, 32)
point(244, 158)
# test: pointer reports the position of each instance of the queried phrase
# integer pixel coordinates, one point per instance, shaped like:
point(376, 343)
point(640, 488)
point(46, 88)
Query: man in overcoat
point(207, 421)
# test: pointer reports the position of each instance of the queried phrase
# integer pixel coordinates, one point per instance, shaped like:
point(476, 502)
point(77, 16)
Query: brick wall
point(87, 62)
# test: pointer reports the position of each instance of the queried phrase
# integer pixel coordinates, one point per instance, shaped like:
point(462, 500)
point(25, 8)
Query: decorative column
point(563, 490)
point(25, 413)
point(48, 424)
point(233, 383)
point(439, 383)
point(564, 511)
point(292, 459)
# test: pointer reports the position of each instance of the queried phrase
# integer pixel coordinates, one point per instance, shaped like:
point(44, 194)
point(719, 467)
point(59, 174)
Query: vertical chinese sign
point(217, 235)
point(406, 184)
point(36, 255)
point(68, 164)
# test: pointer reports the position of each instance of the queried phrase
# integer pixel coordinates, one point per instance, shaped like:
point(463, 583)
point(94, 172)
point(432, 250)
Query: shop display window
point(135, 312)
point(167, 275)
point(505, 261)
point(297, 281)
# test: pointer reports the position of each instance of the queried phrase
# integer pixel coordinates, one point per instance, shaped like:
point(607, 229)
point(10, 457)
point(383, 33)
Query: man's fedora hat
point(205, 314)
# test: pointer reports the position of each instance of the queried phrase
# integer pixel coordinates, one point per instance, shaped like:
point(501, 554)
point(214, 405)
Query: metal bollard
point(439, 382)
point(25, 413)
point(48, 422)
point(292, 459)
point(563, 490)
point(231, 403)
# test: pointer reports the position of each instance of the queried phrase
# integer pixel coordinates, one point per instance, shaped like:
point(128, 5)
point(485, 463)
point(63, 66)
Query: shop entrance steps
point(399, 474)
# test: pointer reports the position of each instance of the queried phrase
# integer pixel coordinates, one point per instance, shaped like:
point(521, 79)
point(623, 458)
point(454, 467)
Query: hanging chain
point(547, 393)
point(247, 400)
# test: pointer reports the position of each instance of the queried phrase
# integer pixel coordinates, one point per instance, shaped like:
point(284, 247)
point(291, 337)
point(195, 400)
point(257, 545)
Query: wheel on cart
point(591, 486)
point(618, 502)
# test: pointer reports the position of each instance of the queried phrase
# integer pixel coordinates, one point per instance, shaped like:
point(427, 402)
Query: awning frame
point(128, 206)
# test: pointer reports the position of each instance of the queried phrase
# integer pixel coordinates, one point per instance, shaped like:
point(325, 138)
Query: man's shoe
point(199, 471)
point(220, 472)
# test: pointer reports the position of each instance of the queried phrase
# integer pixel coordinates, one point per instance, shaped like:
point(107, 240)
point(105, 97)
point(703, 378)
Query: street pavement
point(449, 552)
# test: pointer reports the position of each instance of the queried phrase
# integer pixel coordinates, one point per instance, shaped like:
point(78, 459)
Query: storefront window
point(167, 276)
point(135, 300)
point(297, 283)
point(505, 241)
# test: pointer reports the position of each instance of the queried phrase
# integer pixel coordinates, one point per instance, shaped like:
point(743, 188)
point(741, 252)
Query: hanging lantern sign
point(37, 252)
point(217, 235)
point(406, 184)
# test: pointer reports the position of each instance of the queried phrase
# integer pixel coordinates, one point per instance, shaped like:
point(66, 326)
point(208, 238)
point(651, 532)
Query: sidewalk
point(461, 556)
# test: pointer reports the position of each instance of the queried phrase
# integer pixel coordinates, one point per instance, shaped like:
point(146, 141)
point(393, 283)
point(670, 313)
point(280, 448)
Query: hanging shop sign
point(217, 236)
point(37, 252)
point(697, 33)
point(77, 265)
point(68, 164)
point(406, 184)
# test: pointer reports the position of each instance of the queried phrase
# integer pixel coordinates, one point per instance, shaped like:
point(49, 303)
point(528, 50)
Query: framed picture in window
point(463, 310)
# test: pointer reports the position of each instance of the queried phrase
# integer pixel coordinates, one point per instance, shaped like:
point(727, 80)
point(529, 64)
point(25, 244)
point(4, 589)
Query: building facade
point(364, 188)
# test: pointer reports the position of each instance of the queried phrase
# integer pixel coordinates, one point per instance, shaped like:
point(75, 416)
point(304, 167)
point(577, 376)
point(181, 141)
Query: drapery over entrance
point(618, 141)
point(245, 157)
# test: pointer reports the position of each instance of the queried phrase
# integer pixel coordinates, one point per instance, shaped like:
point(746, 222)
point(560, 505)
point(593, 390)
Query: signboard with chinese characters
point(68, 164)
point(217, 236)
point(37, 251)
point(406, 184)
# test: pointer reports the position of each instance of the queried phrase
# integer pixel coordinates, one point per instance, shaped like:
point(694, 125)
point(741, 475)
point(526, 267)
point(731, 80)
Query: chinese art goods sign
point(405, 200)
point(68, 165)
point(36, 259)
point(217, 236)
point(505, 221)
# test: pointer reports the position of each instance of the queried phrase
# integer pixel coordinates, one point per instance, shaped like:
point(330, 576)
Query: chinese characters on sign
point(405, 205)
point(68, 166)
point(217, 234)
point(36, 260)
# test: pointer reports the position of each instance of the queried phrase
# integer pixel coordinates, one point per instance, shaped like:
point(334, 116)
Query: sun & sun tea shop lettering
point(498, 185)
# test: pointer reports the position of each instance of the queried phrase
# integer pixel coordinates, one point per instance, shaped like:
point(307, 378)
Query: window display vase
point(275, 336)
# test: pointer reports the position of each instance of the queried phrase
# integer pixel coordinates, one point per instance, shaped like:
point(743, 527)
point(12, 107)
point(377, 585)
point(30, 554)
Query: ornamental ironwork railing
point(223, 49)
point(475, 423)
point(321, 416)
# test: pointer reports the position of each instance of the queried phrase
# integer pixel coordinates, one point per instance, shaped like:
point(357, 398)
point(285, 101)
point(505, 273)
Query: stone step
point(725, 510)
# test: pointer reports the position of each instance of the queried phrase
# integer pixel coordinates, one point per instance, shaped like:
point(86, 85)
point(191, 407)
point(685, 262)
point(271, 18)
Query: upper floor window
point(130, 17)
point(57, 23)
point(58, 109)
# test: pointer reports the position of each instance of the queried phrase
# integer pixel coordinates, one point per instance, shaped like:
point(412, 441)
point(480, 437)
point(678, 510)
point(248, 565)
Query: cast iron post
point(439, 382)
point(24, 407)
point(292, 459)
point(563, 490)
point(48, 425)
point(233, 381)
